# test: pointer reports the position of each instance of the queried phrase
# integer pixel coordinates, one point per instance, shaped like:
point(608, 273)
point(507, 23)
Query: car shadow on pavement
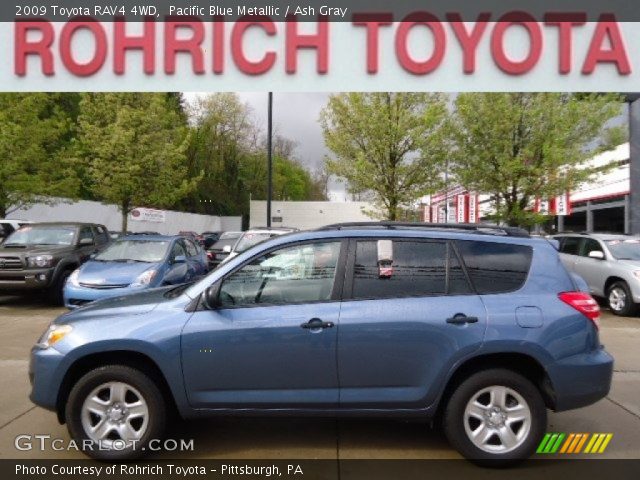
point(307, 438)
point(37, 300)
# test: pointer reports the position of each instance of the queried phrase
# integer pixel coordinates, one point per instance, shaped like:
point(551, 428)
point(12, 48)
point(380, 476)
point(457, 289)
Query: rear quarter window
point(496, 267)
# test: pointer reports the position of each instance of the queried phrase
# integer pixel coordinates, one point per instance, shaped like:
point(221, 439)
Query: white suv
point(253, 237)
point(609, 263)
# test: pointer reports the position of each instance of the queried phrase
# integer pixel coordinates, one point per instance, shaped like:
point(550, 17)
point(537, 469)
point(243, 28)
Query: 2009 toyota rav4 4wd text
point(481, 328)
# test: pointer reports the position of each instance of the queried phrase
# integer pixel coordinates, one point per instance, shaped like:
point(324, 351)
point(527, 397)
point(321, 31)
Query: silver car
point(609, 263)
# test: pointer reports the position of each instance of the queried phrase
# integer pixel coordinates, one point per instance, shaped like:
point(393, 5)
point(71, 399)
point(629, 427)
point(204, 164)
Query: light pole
point(269, 157)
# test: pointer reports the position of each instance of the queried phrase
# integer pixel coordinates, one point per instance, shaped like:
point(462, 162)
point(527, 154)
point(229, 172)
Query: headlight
point(637, 273)
point(145, 279)
point(73, 278)
point(41, 261)
point(54, 334)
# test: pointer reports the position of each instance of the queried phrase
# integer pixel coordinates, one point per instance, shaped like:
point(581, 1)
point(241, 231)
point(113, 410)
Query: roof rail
point(483, 229)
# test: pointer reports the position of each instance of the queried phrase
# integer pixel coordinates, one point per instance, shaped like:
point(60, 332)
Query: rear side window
point(414, 269)
point(496, 267)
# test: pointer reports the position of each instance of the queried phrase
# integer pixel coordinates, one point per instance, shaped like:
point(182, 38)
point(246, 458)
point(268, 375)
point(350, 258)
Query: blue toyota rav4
point(481, 328)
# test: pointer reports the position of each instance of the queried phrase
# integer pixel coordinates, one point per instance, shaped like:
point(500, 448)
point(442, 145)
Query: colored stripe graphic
point(573, 443)
point(543, 443)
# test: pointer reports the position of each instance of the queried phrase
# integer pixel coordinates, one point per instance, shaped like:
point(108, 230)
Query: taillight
point(584, 303)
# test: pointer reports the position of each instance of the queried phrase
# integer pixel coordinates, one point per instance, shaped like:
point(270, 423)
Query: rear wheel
point(113, 412)
point(495, 417)
point(620, 300)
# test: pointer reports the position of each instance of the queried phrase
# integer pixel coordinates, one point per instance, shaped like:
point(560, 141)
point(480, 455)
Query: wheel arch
point(610, 281)
point(129, 358)
point(521, 363)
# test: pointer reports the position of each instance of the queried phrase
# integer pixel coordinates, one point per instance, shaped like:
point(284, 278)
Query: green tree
point(519, 146)
point(134, 144)
point(388, 144)
point(35, 132)
point(227, 146)
point(222, 135)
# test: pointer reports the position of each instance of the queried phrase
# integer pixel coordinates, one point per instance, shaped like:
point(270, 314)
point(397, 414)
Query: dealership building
point(599, 205)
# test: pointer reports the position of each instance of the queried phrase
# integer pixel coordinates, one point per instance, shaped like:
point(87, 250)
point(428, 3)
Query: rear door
point(569, 251)
point(408, 314)
point(592, 270)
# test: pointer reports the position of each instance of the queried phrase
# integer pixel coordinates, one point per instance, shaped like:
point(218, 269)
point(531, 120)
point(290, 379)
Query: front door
point(271, 342)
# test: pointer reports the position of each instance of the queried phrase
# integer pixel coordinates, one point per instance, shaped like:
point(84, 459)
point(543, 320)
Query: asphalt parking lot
point(21, 323)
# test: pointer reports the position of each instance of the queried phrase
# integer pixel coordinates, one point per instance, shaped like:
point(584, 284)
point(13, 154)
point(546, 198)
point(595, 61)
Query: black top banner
point(314, 10)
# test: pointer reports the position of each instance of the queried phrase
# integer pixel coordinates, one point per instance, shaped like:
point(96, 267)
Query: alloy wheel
point(497, 419)
point(115, 412)
point(617, 299)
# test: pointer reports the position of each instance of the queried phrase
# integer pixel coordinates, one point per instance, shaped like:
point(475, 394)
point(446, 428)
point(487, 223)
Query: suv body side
point(408, 340)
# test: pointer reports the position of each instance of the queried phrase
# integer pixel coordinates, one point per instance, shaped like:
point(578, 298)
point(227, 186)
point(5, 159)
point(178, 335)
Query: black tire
point(454, 417)
point(56, 295)
point(155, 402)
point(629, 308)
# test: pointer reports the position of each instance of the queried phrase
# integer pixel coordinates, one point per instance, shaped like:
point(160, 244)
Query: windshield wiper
point(126, 260)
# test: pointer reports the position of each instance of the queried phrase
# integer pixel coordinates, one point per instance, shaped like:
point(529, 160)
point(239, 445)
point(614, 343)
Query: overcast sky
point(295, 116)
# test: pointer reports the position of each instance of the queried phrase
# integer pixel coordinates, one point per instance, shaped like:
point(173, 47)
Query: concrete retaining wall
point(109, 216)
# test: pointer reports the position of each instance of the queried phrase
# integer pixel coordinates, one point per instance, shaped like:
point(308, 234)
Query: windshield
point(627, 249)
point(229, 235)
point(41, 236)
point(149, 251)
point(248, 240)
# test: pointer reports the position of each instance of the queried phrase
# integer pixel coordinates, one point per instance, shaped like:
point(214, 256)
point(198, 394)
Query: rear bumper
point(26, 280)
point(581, 380)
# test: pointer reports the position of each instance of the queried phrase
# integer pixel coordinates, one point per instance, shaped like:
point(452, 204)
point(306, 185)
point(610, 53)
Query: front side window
point(177, 251)
point(570, 245)
point(590, 245)
point(298, 274)
point(191, 248)
point(85, 233)
point(388, 269)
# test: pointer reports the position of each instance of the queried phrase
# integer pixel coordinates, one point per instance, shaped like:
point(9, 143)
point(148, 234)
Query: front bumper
point(75, 297)
point(45, 367)
point(581, 380)
point(25, 280)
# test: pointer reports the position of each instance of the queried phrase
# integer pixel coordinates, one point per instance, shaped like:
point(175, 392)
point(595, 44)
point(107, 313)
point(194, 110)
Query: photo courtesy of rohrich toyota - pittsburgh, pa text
point(319, 239)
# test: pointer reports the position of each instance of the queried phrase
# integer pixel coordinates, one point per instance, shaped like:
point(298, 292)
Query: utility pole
point(269, 157)
point(633, 203)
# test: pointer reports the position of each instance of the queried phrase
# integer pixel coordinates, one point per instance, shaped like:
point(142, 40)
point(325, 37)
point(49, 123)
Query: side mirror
point(596, 254)
point(86, 241)
point(180, 259)
point(211, 297)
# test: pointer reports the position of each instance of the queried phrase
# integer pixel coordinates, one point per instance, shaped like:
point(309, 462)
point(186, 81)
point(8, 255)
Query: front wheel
point(620, 300)
point(113, 412)
point(496, 417)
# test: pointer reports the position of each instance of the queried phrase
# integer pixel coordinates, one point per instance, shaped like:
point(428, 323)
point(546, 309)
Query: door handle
point(461, 319)
point(316, 323)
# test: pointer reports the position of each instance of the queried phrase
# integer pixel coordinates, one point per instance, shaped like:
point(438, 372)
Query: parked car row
point(76, 263)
